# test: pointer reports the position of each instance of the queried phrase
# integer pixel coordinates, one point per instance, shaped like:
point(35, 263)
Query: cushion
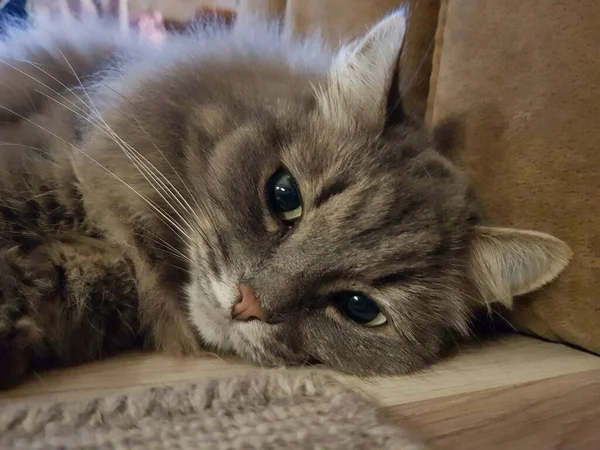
point(523, 77)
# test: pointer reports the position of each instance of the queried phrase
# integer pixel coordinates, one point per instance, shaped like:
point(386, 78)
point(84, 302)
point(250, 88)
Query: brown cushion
point(268, 8)
point(524, 76)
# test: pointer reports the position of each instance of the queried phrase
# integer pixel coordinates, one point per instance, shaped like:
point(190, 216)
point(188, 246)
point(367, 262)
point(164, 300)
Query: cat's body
point(134, 205)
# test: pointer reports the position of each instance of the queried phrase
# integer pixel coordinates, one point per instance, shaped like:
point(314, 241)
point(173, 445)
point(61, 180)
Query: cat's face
point(354, 245)
point(352, 240)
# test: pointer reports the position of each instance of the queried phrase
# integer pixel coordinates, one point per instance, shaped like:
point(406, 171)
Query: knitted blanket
point(259, 411)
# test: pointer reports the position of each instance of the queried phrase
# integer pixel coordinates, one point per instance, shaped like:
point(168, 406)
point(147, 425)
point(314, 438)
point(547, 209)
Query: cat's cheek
point(225, 293)
point(332, 313)
point(210, 327)
point(209, 319)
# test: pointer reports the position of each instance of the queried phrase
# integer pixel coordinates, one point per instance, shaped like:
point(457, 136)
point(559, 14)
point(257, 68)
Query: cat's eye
point(284, 196)
point(360, 308)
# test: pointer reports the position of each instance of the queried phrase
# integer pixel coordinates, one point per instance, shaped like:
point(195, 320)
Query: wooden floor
point(516, 393)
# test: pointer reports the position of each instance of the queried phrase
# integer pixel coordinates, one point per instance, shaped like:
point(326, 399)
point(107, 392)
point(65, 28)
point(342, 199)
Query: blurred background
point(337, 21)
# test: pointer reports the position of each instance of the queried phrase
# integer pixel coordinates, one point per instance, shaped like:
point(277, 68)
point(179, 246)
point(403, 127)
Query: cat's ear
point(363, 78)
point(505, 262)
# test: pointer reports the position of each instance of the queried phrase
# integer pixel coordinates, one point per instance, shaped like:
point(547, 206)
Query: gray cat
point(237, 191)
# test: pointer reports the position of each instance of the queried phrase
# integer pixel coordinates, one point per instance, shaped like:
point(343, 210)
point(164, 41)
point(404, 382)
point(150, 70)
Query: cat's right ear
point(363, 78)
point(505, 262)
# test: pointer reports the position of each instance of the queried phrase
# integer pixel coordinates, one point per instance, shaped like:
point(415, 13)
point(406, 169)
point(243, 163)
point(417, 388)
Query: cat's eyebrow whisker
point(176, 253)
point(99, 123)
point(148, 170)
point(198, 226)
point(138, 167)
point(181, 197)
point(166, 249)
point(162, 215)
point(94, 122)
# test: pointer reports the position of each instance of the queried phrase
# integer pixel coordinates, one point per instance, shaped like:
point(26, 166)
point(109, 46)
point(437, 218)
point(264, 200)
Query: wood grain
point(557, 413)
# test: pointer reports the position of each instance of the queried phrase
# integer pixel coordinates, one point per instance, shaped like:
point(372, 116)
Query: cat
point(237, 191)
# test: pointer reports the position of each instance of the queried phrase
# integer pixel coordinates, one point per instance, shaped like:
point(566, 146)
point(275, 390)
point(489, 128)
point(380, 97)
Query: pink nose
point(248, 307)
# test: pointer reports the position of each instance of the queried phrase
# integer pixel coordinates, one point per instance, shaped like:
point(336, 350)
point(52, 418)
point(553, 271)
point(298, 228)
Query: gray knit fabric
point(270, 410)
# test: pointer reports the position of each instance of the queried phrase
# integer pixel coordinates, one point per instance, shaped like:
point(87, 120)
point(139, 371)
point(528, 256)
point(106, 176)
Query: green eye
point(360, 308)
point(284, 196)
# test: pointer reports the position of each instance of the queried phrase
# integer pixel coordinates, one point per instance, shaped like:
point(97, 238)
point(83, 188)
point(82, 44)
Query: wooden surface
point(556, 413)
point(511, 394)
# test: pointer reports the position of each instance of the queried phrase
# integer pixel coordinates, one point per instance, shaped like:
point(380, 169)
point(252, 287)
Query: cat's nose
point(248, 307)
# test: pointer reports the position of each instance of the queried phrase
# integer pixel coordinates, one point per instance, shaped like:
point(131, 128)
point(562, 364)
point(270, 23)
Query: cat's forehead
point(379, 168)
point(377, 202)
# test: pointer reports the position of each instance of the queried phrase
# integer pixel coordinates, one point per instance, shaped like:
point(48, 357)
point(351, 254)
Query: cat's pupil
point(284, 196)
point(358, 307)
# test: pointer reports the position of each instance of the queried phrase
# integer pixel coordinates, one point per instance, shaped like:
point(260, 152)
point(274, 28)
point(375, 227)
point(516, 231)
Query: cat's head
point(323, 224)
point(339, 234)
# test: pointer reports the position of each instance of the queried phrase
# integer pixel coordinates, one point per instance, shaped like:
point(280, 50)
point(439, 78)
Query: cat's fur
point(134, 223)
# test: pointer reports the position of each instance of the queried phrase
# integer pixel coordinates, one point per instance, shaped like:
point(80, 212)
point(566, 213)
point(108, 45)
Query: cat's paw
point(15, 350)
point(24, 284)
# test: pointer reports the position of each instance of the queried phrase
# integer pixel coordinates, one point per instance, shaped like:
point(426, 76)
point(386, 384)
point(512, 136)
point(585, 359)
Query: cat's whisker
point(54, 91)
point(162, 215)
point(119, 141)
point(98, 121)
point(81, 115)
point(161, 241)
point(134, 118)
point(148, 175)
point(38, 149)
point(165, 184)
point(85, 117)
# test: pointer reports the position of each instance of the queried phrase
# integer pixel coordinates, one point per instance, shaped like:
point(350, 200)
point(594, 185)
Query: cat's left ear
point(362, 84)
point(505, 262)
